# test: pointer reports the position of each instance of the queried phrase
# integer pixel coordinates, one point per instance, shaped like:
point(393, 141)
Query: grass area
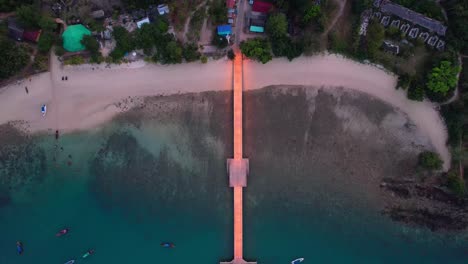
point(180, 11)
point(196, 23)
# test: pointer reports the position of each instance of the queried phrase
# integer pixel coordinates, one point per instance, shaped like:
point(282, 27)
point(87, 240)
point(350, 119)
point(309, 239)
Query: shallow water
point(126, 188)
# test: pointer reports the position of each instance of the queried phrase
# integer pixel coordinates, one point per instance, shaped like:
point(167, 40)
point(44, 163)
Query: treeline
point(156, 43)
point(279, 43)
point(14, 57)
point(11, 5)
point(457, 12)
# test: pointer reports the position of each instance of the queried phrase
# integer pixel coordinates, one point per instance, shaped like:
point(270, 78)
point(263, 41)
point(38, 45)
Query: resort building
point(224, 30)
point(411, 16)
point(72, 37)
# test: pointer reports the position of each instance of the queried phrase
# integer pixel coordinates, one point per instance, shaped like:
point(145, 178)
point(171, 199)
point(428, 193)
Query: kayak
point(88, 253)
point(296, 261)
point(70, 261)
point(62, 232)
point(44, 110)
point(19, 247)
point(167, 245)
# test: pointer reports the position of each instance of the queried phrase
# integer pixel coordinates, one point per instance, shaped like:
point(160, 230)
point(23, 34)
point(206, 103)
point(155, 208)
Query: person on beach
point(26, 88)
point(66, 78)
point(63, 78)
point(56, 134)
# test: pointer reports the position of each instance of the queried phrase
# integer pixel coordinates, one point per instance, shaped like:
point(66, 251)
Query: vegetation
point(312, 13)
point(203, 59)
point(92, 45)
point(218, 12)
point(277, 26)
point(190, 52)
point(443, 78)
point(124, 44)
point(430, 160)
point(14, 58)
point(257, 48)
point(219, 41)
point(75, 60)
point(41, 63)
point(375, 37)
point(29, 16)
point(457, 12)
point(429, 8)
point(231, 55)
point(456, 184)
point(196, 23)
point(46, 41)
point(11, 5)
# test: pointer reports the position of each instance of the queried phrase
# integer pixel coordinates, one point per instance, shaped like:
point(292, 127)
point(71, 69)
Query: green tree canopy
point(312, 13)
point(375, 37)
point(257, 48)
point(277, 25)
point(218, 12)
point(46, 41)
point(190, 52)
point(14, 58)
point(47, 23)
point(430, 160)
point(172, 53)
point(11, 5)
point(443, 78)
point(29, 16)
point(125, 43)
point(456, 184)
point(92, 45)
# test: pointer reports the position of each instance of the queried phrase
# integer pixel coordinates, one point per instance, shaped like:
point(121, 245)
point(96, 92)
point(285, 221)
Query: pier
point(238, 167)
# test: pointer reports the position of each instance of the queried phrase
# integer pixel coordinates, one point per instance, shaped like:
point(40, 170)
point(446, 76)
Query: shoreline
point(90, 97)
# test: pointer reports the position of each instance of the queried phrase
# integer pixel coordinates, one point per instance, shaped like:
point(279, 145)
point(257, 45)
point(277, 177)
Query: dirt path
point(187, 23)
point(324, 37)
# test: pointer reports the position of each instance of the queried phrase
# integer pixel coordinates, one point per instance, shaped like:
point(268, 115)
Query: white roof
point(142, 22)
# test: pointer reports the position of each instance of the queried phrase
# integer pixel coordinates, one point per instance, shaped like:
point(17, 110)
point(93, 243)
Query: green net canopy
point(72, 37)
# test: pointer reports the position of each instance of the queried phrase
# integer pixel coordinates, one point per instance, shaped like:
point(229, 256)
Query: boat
point(62, 232)
point(88, 253)
point(167, 245)
point(70, 261)
point(19, 247)
point(44, 109)
point(297, 261)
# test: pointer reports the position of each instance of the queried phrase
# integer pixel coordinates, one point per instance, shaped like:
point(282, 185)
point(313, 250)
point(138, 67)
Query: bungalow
point(163, 9)
point(224, 30)
point(142, 22)
point(262, 7)
point(390, 47)
point(15, 31)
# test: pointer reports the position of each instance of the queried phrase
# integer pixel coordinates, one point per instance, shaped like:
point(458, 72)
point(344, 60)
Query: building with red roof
point(32, 36)
point(262, 7)
point(230, 3)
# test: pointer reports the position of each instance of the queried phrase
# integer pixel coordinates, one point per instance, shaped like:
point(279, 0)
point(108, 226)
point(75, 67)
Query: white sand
point(88, 97)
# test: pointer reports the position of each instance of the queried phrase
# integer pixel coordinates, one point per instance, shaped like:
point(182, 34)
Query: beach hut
point(72, 37)
point(224, 30)
point(142, 22)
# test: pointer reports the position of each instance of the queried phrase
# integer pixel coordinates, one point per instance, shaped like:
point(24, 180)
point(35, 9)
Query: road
point(240, 20)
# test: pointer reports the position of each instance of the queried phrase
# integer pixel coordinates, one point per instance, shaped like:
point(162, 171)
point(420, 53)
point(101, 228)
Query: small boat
point(167, 245)
point(88, 253)
point(70, 261)
point(296, 261)
point(19, 247)
point(62, 232)
point(44, 109)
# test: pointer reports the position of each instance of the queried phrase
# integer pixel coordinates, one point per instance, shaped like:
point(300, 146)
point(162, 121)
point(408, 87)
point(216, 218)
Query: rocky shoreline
point(422, 204)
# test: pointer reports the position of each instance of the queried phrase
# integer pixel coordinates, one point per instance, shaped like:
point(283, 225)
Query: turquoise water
point(125, 189)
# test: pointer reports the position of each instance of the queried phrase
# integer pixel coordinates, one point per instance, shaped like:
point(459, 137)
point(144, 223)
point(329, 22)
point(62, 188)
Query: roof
point(72, 37)
point(257, 29)
point(32, 35)
point(163, 9)
point(14, 29)
point(390, 47)
point(142, 22)
point(224, 30)
point(97, 14)
point(230, 3)
point(262, 7)
point(414, 17)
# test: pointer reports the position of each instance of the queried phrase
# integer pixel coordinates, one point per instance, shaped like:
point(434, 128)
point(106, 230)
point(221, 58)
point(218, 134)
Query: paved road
point(240, 20)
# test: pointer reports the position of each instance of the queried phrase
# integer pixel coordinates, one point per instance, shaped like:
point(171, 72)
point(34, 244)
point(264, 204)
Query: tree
point(14, 58)
point(312, 13)
point(415, 93)
point(172, 53)
point(277, 26)
point(375, 37)
point(218, 12)
point(203, 59)
point(28, 16)
point(11, 5)
point(45, 42)
point(231, 55)
point(92, 45)
point(257, 48)
point(190, 52)
point(430, 160)
point(125, 43)
point(456, 184)
point(219, 41)
point(47, 23)
point(443, 78)
point(284, 46)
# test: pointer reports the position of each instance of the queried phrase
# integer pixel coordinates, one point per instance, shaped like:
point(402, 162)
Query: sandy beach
point(95, 94)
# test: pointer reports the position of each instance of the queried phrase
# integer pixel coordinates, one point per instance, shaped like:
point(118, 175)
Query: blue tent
point(224, 30)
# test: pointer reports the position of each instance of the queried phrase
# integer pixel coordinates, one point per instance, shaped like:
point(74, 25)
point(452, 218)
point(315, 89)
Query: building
point(32, 36)
point(142, 22)
point(262, 7)
point(390, 47)
point(230, 4)
point(72, 37)
point(163, 9)
point(15, 30)
point(409, 15)
point(98, 14)
point(224, 30)
point(256, 29)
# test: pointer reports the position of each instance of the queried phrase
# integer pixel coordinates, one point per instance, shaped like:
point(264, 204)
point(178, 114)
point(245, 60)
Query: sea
point(124, 188)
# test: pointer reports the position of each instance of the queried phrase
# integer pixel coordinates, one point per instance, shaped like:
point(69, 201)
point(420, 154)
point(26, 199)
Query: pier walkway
point(238, 167)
